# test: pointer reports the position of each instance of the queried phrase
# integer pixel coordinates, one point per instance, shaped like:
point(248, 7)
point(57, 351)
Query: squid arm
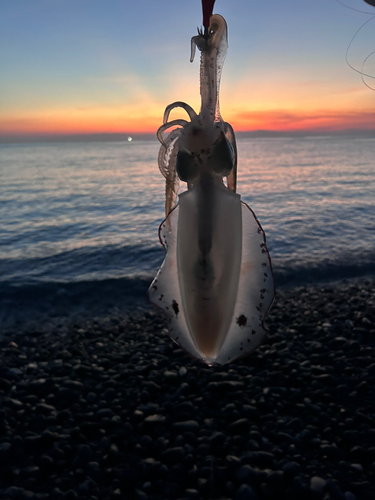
point(232, 177)
point(179, 104)
point(167, 165)
point(216, 283)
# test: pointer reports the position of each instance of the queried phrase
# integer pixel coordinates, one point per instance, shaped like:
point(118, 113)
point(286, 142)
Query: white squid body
point(216, 283)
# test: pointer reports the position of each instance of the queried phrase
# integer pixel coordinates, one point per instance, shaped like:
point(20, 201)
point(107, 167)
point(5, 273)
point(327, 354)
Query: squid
point(215, 284)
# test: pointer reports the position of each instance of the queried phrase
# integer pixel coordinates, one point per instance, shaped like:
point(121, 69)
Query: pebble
point(239, 427)
point(233, 461)
point(155, 419)
point(13, 492)
point(5, 384)
point(317, 484)
point(14, 404)
point(247, 474)
point(105, 410)
point(291, 469)
point(187, 426)
point(260, 458)
point(173, 454)
point(93, 470)
point(192, 494)
point(105, 413)
point(15, 371)
point(246, 492)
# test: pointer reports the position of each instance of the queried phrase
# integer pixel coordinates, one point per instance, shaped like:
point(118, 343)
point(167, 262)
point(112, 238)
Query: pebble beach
point(112, 409)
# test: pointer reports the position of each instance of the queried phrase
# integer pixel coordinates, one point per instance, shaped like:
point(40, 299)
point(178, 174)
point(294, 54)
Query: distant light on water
point(130, 139)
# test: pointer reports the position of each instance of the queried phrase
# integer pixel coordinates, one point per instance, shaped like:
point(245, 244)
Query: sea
point(79, 220)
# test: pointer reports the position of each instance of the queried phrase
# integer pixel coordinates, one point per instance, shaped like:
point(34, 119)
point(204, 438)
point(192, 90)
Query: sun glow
point(98, 121)
point(246, 111)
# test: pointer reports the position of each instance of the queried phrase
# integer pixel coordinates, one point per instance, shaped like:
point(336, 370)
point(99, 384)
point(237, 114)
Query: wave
point(354, 265)
point(87, 263)
point(43, 302)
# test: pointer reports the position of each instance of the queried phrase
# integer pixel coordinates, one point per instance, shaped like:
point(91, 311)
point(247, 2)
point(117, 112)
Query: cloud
point(301, 120)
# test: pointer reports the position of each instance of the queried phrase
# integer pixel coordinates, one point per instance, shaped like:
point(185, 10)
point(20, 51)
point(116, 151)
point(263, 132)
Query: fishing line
point(355, 10)
point(362, 73)
point(363, 65)
point(350, 44)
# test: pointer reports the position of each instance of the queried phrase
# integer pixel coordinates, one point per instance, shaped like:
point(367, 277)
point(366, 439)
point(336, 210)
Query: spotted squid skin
point(239, 290)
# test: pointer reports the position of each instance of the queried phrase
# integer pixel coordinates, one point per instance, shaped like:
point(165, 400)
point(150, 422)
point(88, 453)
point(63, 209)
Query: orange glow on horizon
point(288, 121)
point(80, 121)
point(147, 119)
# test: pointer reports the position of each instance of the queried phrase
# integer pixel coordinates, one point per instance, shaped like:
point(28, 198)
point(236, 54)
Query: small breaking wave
point(43, 301)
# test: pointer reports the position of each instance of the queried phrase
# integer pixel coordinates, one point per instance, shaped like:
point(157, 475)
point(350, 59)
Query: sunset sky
point(95, 66)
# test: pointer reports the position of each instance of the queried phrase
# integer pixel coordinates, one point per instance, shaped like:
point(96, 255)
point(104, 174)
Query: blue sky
point(103, 66)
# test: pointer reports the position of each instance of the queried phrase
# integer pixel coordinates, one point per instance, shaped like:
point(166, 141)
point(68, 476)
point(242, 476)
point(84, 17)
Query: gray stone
point(13, 492)
point(173, 454)
point(14, 404)
point(187, 426)
point(245, 492)
point(233, 461)
point(155, 419)
point(105, 413)
point(239, 427)
point(44, 408)
point(5, 385)
point(70, 495)
point(141, 495)
point(225, 386)
point(317, 484)
point(245, 473)
point(192, 494)
point(291, 469)
point(260, 458)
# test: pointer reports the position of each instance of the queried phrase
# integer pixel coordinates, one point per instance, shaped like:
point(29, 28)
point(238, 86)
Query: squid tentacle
point(232, 177)
point(200, 42)
point(165, 151)
point(179, 104)
point(167, 160)
point(166, 126)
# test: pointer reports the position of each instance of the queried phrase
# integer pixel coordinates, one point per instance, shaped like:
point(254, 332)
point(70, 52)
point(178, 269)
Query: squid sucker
point(215, 284)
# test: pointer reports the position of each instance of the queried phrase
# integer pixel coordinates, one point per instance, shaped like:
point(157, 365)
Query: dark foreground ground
point(114, 410)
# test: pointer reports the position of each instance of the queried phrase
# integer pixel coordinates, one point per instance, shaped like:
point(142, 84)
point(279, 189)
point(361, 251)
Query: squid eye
point(222, 158)
point(186, 167)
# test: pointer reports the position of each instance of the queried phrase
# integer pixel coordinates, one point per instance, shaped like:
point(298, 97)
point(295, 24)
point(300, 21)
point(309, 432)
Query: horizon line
point(122, 136)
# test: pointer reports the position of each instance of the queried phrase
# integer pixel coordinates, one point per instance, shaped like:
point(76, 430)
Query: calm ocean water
point(81, 219)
